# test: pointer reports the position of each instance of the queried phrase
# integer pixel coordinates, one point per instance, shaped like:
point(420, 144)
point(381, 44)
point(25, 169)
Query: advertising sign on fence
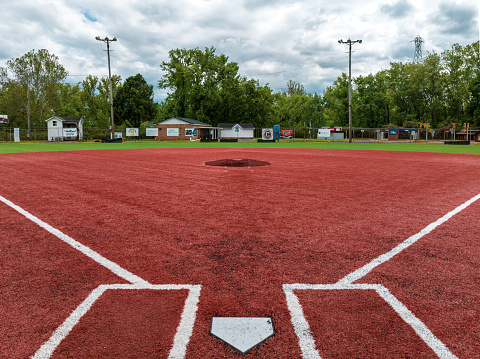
point(3, 119)
point(323, 133)
point(152, 132)
point(267, 134)
point(16, 134)
point(132, 132)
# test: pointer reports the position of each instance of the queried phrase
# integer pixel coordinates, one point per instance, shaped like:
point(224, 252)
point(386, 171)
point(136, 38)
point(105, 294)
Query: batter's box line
point(182, 335)
point(302, 328)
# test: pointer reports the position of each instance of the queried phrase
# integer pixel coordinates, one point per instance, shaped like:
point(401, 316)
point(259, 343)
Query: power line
point(300, 68)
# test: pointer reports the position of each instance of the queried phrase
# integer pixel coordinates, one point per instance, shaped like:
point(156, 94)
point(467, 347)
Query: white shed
point(65, 128)
point(239, 130)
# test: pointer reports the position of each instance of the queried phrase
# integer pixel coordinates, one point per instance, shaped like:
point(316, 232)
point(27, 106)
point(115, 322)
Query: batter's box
point(128, 320)
point(358, 321)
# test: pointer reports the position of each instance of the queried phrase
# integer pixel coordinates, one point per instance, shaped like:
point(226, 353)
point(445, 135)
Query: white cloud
point(272, 41)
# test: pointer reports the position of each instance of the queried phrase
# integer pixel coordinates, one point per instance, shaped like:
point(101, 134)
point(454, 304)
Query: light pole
point(108, 41)
point(349, 42)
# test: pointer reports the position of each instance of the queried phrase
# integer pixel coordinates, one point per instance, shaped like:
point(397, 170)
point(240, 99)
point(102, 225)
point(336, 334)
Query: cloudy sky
point(273, 41)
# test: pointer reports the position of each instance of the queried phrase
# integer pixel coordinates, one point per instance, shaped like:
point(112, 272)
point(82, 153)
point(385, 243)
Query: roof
point(244, 126)
point(187, 120)
point(65, 119)
point(470, 132)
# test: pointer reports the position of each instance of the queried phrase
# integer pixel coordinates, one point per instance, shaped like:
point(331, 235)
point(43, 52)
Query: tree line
point(441, 89)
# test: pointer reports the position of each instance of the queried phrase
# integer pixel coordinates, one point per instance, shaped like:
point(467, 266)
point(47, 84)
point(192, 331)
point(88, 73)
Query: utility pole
point(418, 49)
point(108, 41)
point(349, 42)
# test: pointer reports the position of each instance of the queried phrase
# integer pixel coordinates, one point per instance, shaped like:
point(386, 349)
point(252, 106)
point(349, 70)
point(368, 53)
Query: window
point(189, 132)
point(54, 123)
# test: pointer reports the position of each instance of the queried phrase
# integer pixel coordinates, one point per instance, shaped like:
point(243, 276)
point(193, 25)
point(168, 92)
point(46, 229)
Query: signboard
point(393, 132)
point(190, 132)
point(333, 129)
point(152, 132)
point(267, 134)
point(286, 133)
point(3, 119)
point(237, 128)
point(172, 132)
point(118, 134)
point(132, 132)
point(323, 133)
point(69, 132)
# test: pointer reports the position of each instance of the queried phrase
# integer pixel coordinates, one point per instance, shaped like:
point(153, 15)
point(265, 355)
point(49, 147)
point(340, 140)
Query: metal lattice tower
point(418, 49)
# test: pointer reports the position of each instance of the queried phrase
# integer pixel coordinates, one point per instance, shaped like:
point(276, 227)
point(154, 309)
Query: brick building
point(184, 129)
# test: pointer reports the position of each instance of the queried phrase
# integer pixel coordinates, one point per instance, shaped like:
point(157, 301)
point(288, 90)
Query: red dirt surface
point(312, 216)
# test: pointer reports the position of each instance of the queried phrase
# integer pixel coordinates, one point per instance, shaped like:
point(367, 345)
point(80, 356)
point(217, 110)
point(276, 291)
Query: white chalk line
point(363, 271)
point(182, 335)
point(113, 267)
point(184, 330)
point(302, 328)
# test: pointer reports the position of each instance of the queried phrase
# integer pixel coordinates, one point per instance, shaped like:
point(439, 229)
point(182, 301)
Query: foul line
point(302, 328)
point(113, 267)
point(187, 321)
point(363, 271)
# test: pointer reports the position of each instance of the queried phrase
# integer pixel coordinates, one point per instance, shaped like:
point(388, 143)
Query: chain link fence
point(7, 134)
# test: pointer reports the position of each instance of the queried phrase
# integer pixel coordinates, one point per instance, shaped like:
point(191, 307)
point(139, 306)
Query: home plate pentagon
point(243, 334)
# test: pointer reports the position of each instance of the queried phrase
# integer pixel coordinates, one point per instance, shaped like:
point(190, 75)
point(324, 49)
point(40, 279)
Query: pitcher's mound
point(237, 162)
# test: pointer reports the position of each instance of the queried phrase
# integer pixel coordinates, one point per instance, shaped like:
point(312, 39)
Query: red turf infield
point(312, 216)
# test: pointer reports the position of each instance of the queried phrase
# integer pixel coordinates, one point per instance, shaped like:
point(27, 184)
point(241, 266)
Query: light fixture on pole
point(349, 42)
point(108, 41)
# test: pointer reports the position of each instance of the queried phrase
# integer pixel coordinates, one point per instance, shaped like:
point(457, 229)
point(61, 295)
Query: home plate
point(243, 334)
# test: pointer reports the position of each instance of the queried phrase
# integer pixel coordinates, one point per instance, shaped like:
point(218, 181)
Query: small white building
point(239, 130)
point(65, 128)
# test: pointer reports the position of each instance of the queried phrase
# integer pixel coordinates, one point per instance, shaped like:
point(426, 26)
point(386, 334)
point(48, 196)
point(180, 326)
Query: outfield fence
point(7, 134)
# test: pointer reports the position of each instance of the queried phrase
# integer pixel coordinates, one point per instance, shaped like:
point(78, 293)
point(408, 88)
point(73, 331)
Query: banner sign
point(172, 132)
point(267, 134)
point(3, 119)
point(118, 134)
point(393, 132)
point(190, 132)
point(323, 133)
point(152, 132)
point(132, 132)
point(69, 132)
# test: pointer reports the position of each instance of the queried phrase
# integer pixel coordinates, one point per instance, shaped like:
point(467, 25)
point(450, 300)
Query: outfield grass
point(384, 146)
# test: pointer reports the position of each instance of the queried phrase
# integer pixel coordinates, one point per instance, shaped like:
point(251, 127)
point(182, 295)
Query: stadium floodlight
point(349, 42)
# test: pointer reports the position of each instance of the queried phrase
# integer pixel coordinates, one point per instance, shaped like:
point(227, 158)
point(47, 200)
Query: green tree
point(195, 78)
point(372, 108)
point(69, 101)
point(133, 103)
point(95, 95)
point(434, 89)
point(405, 87)
point(295, 88)
point(473, 107)
point(37, 76)
point(336, 102)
